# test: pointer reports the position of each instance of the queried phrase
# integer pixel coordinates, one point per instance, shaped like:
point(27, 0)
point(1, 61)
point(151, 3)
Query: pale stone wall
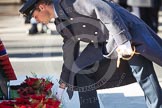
point(9, 1)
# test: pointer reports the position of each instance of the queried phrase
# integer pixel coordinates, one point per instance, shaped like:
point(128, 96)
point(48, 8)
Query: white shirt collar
point(56, 16)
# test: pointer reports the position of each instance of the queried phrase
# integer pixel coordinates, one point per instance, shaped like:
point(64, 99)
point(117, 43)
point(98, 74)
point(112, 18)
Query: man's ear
point(41, 7)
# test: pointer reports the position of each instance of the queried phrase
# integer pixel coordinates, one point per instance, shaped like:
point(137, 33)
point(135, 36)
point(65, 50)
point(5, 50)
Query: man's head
point(42, 10)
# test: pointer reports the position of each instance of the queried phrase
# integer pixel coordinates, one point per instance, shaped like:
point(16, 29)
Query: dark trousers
point(145, 75)
point(88, 99)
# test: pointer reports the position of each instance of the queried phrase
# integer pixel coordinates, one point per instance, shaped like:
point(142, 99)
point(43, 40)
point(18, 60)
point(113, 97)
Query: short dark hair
point(47, 2)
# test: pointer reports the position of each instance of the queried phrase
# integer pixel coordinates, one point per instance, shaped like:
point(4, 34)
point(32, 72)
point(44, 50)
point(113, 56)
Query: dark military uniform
point(99, 26)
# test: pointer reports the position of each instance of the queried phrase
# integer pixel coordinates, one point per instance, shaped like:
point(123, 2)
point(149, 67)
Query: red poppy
point(31, 81)
point(48, 86)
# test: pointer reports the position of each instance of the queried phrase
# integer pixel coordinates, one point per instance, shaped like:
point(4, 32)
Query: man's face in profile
point(42, 14)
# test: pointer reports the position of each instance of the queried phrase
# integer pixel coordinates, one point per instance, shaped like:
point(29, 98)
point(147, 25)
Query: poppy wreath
point(33, 93)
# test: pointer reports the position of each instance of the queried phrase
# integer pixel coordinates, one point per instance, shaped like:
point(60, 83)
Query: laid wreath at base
point(33, 93)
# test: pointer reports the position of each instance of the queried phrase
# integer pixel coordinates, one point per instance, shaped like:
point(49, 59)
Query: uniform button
point(107, 40)
point(78, 38)
point(84, 26)
point(71, 19)
point(92, 41)
point(96, 33)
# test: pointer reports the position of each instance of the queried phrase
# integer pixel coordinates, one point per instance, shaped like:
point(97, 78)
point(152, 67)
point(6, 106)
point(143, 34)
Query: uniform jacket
point(100, 23)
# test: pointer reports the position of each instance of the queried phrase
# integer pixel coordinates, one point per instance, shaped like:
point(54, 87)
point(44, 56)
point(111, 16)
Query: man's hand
point(60, 91)
point(124, 50)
